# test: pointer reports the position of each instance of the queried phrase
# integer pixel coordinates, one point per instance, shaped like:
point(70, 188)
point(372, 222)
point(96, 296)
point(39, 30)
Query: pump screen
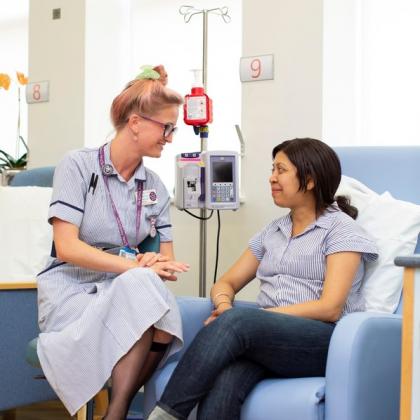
point(222, 172)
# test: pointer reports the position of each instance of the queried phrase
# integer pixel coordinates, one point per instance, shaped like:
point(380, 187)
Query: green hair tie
point(148, 73)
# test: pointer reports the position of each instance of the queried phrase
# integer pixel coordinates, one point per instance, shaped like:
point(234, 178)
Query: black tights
point(131, 372)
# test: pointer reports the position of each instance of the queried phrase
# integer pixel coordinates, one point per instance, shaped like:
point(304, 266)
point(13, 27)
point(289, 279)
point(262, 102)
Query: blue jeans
point(240, 348)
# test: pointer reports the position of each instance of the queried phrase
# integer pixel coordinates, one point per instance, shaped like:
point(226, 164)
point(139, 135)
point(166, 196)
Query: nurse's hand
point(167, 269)
point(149, 258)
point(224, 306)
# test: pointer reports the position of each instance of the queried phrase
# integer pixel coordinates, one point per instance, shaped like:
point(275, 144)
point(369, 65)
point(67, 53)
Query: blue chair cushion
point(31, 355)
point(300, 398)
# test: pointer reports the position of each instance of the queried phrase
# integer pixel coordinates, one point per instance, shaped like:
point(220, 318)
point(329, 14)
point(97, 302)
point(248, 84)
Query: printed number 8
point(255, 68)
point(36, 93)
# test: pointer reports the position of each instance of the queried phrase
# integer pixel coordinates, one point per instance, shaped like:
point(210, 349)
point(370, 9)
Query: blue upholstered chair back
point(393, 169)
point(38, 177)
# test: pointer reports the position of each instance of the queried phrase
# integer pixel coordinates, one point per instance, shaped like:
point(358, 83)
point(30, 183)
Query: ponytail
point(343, 203)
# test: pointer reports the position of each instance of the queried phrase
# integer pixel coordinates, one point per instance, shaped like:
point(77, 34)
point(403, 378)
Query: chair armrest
point(194, 311)
point(18, 285)
point(409, 261)
point(363, 367)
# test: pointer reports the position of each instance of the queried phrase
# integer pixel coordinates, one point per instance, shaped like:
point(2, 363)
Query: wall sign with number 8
point(257, 68)
point(37, 92)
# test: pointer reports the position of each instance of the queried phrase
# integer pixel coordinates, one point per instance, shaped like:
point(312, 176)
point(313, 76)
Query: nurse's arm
point(340, 273)
point(71, 249)
point(167, 249)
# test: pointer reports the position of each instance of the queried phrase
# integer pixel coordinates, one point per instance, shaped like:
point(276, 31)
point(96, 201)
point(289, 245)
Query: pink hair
point(143, 96)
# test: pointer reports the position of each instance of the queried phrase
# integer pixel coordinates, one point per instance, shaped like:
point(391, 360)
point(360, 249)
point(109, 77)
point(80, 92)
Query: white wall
point(286, 107)
point(57, 54)
point(272, 111)
point(14, 56)
point(161, 36)
point(342, 72)
point(178, 45)
point(371, 68)
point(107, 63)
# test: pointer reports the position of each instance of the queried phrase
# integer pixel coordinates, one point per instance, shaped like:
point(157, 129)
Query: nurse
point(104, 309)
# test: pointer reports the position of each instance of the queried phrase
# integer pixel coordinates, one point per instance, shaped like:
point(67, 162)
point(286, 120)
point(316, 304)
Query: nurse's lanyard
point(127, 248)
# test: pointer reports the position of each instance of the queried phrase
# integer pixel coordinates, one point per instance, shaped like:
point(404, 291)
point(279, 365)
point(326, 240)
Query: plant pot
point(8, 174)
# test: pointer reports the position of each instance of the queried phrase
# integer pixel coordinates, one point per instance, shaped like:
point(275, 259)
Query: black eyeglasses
point(168, 128)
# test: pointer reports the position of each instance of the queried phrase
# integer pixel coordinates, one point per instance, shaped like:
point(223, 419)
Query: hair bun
point(153, 73)
point(163, 74)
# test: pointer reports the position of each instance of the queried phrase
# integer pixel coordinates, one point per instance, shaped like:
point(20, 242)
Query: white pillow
point(394, 225)
point(360, 194)
point(25, 234)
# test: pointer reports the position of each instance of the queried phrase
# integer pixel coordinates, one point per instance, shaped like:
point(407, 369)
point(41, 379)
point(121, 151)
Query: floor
point(53, 410)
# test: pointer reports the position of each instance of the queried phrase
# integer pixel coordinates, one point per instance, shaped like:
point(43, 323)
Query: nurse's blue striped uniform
point(90, 319)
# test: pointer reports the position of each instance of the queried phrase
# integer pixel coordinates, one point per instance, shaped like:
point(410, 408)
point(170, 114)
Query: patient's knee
point(236, 316)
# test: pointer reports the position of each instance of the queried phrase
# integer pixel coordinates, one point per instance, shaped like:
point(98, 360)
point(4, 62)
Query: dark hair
point(317, 161)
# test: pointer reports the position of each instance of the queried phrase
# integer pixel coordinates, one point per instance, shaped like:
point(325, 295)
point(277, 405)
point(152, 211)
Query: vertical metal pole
point(203, 212)
point(205, 24)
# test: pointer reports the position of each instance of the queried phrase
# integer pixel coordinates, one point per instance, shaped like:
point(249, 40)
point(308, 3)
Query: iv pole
point(188, 12)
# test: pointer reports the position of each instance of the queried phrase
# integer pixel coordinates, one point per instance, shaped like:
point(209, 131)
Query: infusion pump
point(207, 180)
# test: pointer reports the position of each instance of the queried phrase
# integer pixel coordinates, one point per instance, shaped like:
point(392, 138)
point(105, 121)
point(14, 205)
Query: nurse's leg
point(161, 341)
point(125, 377)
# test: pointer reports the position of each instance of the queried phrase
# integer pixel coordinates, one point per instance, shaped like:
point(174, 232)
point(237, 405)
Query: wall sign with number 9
point(255, 68)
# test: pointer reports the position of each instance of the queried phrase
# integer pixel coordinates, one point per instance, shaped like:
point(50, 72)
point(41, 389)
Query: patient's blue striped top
point(292, 268)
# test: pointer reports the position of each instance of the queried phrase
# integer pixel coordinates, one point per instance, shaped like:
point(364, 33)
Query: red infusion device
point(198, 108)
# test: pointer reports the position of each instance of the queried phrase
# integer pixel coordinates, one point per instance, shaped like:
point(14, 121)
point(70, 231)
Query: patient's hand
point(223, 307)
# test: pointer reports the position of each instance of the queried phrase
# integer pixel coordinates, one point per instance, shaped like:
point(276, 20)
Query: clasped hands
point(162, 265)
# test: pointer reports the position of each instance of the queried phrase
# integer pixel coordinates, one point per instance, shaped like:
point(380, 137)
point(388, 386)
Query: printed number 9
point(255, 68)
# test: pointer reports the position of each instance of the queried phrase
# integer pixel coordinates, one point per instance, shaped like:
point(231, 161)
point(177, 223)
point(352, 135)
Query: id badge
point(149, 197)
point(128, 253)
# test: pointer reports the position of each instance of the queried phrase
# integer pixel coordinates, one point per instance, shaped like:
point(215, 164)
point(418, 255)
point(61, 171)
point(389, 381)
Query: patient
point(310, 264)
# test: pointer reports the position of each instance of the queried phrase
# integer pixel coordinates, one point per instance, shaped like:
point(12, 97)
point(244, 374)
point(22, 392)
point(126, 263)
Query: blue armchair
point(39, 177)
point(18, 314)
point(362, 379)
point(21, 380)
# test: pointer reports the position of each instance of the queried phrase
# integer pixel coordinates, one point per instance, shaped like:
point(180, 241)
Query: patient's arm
point(341, 270)
point(239, 275)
